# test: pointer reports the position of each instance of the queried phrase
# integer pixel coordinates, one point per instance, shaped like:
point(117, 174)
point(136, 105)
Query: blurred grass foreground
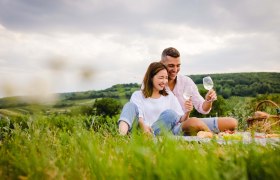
point(88, 147)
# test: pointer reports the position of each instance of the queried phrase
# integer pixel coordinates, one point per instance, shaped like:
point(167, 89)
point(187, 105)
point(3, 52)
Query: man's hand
point(211, 96)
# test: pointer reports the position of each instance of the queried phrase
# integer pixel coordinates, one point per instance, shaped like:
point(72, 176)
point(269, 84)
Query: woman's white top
point(151, 108)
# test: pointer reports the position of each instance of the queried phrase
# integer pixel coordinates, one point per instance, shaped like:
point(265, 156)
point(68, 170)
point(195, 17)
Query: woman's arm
point(144, 127)
point(185, 116)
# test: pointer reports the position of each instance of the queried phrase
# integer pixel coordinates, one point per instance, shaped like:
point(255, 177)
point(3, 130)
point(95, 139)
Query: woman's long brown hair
point(152, 70)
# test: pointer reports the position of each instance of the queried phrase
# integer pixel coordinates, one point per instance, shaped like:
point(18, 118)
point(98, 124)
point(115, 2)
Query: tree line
point(226, 85)
point(242, 84)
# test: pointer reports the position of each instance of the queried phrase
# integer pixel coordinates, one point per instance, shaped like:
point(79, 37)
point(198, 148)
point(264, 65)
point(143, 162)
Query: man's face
point(173, 66)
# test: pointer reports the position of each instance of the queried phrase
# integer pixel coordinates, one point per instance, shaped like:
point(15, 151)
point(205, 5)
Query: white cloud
point(63, 41)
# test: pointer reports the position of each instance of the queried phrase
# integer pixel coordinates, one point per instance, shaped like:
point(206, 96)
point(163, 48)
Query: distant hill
point(116, 91)
point(243, 84)
point(226, 85)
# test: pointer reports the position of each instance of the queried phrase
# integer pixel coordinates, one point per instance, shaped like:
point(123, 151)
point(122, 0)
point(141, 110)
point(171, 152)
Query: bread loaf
point(272, 135)
point(260, 114)
point(204, 134)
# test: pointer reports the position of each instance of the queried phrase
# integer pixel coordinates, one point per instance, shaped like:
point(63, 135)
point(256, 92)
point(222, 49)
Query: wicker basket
point(264, 121)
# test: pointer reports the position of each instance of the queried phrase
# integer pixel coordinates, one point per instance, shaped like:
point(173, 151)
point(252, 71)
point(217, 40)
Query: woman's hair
point(152, 70)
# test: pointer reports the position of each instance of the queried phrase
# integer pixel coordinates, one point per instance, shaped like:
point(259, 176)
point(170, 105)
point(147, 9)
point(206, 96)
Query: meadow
point(76, 146)
point(68, 140)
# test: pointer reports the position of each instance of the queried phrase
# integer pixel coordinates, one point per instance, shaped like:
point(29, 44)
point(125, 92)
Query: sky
point(53, 46)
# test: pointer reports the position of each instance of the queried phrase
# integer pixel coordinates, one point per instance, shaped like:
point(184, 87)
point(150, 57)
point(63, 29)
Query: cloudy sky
point(70, 45)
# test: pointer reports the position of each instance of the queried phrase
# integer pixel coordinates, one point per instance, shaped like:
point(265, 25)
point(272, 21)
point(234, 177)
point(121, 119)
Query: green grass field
point(35, 144)
point(71, 147)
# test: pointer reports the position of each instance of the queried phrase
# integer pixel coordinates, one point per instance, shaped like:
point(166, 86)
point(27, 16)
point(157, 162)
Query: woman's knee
point(129, 105)
point(129, 114)
point(129, 108)
point(169, 115)
point(167, 120)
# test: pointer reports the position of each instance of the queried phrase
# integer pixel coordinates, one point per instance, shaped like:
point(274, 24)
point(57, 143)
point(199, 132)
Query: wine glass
point(208, 83)
point(187, 94)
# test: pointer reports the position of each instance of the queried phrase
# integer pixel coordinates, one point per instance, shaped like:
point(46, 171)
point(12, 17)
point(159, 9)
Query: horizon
point(57, 93)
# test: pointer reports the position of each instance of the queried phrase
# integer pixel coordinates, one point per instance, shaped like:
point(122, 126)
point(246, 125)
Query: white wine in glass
point(208, 83)
point(187, 94)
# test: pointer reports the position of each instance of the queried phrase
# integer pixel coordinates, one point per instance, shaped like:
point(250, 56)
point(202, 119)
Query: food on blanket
point(204, 134)
point(226, 132)
point(272, 135)
point(259, 136)
point(221, 133)
point(229, 132)
point(232, 136)
point(260, 114)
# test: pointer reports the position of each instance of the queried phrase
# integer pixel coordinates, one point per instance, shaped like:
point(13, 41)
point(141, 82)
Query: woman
point(153, 107)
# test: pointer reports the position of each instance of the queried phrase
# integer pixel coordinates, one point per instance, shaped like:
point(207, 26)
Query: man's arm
point(209, 98)
point(207, 105)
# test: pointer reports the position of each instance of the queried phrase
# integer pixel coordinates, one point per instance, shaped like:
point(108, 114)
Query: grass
point(67, 147)
point(39, 145)
point(7, 112)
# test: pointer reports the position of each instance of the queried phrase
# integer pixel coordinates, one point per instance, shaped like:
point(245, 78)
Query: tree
point(107, 107)
point(219, 108)
point(226, 92)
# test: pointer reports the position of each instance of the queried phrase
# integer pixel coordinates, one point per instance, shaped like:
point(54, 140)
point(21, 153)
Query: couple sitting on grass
point(159, 106)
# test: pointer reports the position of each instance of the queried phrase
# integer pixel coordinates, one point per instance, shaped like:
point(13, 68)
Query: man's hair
point(171, 51)
point(152, 70)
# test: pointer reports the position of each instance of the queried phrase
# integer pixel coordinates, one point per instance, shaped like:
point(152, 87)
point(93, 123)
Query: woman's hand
point(189, 105)
point(146, 129)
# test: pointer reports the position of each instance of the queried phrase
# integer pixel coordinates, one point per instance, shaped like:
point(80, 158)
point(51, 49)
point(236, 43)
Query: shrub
point(107, 107)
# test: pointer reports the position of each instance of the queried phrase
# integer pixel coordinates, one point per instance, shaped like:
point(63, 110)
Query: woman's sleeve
point(136, 98)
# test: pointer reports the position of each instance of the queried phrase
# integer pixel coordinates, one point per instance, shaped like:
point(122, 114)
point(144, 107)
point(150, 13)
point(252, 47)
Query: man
point(177, 83)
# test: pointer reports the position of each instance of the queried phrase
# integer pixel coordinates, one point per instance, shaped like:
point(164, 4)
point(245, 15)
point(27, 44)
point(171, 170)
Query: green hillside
point(226, 85)
point(243, 84)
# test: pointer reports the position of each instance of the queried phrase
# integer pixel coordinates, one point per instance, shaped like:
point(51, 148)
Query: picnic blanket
point(245, 137)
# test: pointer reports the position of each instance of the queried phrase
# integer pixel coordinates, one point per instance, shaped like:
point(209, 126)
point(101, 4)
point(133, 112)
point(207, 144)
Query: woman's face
point(160, 80)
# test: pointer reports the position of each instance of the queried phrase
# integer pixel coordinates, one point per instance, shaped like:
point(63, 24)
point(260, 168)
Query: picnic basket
point(266, 117)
